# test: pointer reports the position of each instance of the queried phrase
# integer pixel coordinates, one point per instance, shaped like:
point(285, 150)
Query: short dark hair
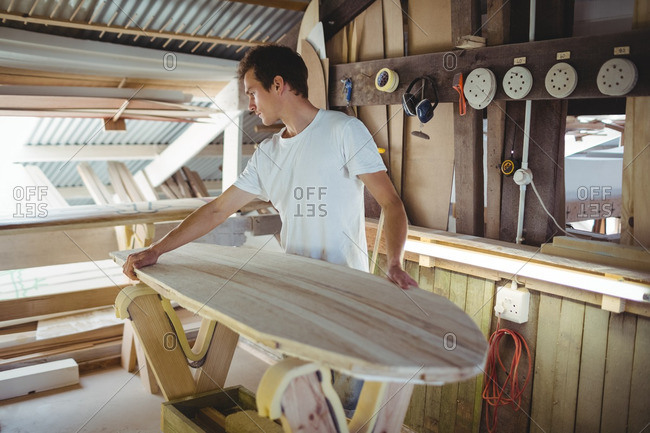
point(271, 60)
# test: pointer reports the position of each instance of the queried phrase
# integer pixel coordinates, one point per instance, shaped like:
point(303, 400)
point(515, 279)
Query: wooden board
point(639, 417)
point(595, 257)
point(31, 102)
point(636, 139)
point(618, 372)
point(37, 378)
point(588, 53)
point(89, 216)
point(57, 303)
point(394, 47)
point(316, 76)
point(592, 370)
point(28, 77)
point(309, 19)
point(468, 136)
point(348, 320)
point(371, 47)
point(547, 339)
point(525, 253)
point(428, 164)
point(32, 249)
point(567, 362)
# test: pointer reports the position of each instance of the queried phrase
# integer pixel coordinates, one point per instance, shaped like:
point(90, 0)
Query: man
point(313, 171)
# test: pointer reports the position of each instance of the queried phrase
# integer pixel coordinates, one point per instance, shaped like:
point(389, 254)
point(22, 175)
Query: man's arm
point(384, 192)
point(198, 223)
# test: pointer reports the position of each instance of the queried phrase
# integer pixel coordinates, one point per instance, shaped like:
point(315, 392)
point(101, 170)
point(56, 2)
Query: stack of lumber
point(185, 183)
point(603, 253)
point(46, 293)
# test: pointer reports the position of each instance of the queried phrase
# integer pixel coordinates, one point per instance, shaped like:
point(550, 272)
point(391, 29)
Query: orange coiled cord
point(510, 393)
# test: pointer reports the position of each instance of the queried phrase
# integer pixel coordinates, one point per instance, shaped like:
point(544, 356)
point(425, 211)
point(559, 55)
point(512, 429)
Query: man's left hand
point(397, 275)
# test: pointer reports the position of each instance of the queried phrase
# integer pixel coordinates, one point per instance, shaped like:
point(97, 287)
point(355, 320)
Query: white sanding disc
point(617, 77)
point(561, 80)
point(480, 88)
point(517, 82)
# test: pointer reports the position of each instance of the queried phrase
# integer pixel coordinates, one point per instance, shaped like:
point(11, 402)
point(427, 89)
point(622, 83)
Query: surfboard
point(348, 320)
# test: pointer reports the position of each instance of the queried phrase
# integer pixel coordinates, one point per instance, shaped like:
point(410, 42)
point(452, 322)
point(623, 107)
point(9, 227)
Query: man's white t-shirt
point(311, 179)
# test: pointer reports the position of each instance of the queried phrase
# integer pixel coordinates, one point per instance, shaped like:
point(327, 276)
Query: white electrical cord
point(546, 210)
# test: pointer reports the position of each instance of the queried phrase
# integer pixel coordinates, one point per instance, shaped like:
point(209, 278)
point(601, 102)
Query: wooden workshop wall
point(590, 367)
point(421, 170)
point(429, 164)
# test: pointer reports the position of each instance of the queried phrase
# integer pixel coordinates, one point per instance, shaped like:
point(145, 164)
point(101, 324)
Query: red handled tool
point(458, 86)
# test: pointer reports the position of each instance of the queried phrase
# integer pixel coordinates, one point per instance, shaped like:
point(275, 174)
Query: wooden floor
point(109, 400)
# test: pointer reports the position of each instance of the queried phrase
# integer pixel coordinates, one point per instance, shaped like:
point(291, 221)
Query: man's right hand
point(139, 260)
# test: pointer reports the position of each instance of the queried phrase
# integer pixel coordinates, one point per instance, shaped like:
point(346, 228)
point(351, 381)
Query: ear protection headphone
point(419, 106)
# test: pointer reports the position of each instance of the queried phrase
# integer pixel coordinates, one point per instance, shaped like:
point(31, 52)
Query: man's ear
point(278, 84)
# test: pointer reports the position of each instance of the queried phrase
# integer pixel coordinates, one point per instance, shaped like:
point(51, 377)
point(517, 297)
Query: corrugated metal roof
point(210, 168)
point(201, 17)
point(80, 131)
point(64, 174)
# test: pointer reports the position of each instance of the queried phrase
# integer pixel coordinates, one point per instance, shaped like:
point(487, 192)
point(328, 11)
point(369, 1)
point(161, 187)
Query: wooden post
point(214, 370)
point(382, 407)
point(636, 158)
point(497, 32)
point(232, 149)
point(546, 155)
point(153, 329)
point(468, 137)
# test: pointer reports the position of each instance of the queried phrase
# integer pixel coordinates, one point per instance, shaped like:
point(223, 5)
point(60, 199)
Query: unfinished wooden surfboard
point(344, 319)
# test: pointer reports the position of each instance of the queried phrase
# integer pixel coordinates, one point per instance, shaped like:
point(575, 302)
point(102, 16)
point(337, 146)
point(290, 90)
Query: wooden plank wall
point(457, 406)
point(590, 366)
point(429, 164)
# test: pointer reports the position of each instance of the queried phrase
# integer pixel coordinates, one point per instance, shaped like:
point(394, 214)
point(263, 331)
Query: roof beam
point(292, 5)
point(338, 14)
point(31, 77)
point(114, 152)
point(104, 93)
point(38, 51)
point(184, 148)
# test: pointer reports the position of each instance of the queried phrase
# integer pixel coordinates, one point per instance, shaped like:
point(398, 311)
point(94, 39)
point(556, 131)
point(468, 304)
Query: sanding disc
point(617, 77)
point(561, 80)
point(480, 87)
point(517, 82)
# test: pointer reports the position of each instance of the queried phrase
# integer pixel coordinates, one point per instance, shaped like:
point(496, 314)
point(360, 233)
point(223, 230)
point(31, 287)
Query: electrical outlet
point(512, 304)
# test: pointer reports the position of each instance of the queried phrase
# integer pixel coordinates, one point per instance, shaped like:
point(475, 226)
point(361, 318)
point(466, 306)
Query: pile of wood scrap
point(185, 183)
